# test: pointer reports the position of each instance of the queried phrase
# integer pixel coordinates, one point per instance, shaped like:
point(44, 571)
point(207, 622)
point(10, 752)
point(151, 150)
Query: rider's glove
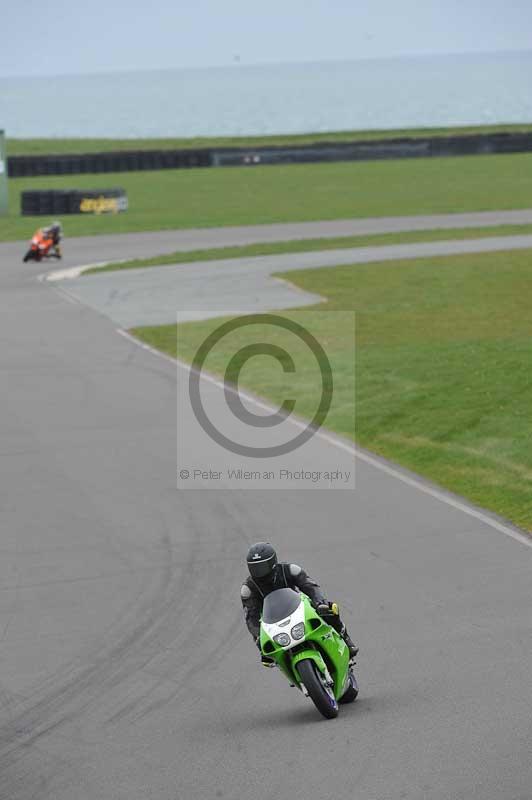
point(327, 609)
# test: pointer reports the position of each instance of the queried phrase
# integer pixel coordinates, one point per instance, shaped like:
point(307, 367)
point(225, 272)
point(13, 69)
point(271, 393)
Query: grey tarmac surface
point(125, 668)
point(155, 295)
point(89, 249)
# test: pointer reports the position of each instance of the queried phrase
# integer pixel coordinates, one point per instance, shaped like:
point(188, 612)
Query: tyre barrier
point(120, 161)
point(379, 149)
point(58, 202)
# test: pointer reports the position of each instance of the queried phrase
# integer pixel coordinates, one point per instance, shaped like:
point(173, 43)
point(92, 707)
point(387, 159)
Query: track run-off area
point(125, 668)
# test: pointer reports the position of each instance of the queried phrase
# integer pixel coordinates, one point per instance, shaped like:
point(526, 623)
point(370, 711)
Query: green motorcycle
point(311, 654)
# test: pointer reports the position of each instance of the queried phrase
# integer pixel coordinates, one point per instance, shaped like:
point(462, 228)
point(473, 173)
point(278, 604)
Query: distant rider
point(266, 574)
point(54, 232)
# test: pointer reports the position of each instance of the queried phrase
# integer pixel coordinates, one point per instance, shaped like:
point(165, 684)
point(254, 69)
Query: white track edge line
point(368, 459)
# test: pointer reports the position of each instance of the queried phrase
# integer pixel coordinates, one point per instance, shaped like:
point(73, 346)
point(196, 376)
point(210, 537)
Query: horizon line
point(236, 65)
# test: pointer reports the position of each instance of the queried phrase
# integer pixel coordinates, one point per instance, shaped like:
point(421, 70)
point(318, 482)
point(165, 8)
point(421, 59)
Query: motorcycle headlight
point(282, 638)
point(298, 631)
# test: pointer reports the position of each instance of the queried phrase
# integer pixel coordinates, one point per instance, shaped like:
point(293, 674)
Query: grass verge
point(29, 147)
point(310, 245)
point(444, 366)
point(172, 199)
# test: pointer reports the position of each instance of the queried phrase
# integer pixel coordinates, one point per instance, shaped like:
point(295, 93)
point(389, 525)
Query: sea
point(416, 91)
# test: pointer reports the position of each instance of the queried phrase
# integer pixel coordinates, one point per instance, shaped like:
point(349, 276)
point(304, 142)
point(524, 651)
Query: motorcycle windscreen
point(279, 605)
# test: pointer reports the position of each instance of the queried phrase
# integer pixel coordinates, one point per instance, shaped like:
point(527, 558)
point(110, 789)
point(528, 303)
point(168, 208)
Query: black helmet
point(262, 560)
point(54, 229)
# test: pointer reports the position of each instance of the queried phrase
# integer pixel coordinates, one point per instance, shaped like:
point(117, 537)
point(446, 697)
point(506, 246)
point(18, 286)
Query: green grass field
point(25, 147)
point(244, 196)
point(310, 245)
point(444, 368)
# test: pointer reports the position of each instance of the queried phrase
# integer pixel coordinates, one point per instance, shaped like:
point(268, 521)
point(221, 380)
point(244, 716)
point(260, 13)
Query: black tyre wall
point(59, 202)
point(137, 160)
point(92, 163)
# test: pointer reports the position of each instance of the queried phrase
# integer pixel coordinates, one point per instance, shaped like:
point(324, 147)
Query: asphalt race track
point(125, 668)
point(84, 250)
point(204, 289)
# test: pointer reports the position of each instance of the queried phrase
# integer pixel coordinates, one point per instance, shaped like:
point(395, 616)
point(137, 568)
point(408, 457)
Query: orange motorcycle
point(45, 244)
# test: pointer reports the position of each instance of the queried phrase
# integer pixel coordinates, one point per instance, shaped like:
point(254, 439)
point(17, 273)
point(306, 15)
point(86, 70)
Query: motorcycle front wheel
point(28, 256)
point(320, 694)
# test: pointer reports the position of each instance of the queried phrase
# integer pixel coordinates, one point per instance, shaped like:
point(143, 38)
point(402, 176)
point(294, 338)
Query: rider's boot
point(331, 613)
point(266, 661)
point(351, 646)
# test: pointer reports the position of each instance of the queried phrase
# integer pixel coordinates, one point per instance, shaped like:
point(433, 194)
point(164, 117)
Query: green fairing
point(323, 645)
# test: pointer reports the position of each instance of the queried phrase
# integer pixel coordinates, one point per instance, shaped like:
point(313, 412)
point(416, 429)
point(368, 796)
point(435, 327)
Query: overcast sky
point(73, 36)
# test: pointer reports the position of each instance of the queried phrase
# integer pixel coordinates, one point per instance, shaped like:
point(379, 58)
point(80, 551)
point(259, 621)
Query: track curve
point(125, 669)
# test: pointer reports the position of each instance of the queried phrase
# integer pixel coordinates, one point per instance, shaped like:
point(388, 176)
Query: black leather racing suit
point(285, 575)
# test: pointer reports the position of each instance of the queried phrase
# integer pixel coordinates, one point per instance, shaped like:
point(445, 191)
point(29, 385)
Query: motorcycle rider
point(266, 574)
point(54, 232)
point(45, 243)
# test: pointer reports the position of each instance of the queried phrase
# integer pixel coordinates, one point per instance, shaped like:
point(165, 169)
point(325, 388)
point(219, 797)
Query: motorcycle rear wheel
point(321, 696)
